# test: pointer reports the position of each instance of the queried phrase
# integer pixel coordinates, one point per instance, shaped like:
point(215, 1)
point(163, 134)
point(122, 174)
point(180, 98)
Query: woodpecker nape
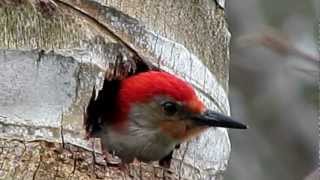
point(146, 114)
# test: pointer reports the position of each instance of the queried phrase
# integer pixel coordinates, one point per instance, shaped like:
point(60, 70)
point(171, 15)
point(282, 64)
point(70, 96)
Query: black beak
point(214, 119)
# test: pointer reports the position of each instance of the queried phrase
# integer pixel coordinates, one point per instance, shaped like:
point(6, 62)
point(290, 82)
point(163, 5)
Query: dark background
point(273, 88)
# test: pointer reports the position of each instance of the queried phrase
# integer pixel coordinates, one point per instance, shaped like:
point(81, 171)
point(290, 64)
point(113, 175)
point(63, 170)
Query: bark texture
point(49, 65)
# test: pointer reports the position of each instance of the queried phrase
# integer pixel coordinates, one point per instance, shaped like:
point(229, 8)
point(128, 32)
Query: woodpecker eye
point(170, 108)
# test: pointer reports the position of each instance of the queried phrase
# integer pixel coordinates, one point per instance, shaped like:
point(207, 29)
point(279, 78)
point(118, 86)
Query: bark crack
point(100, 26)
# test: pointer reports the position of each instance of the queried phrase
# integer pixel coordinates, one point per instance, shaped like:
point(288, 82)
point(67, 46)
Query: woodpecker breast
point(144, 144)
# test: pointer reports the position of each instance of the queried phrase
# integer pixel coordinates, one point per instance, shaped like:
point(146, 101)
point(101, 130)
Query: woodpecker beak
point(214, 119)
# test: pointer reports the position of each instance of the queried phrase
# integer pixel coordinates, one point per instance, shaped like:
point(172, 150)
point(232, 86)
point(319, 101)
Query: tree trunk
point(49, 65)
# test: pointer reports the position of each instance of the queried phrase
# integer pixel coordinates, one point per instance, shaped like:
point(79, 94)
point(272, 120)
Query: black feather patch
point(166, 161)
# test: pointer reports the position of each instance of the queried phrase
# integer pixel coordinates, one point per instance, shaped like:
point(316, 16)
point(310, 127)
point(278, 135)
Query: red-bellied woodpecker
point(152, 112)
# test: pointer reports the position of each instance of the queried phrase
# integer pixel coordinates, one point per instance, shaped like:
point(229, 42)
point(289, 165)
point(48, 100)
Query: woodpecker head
point(161, 101)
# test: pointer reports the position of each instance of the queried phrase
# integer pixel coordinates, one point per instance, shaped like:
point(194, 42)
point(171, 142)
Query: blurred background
point(273, 88)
